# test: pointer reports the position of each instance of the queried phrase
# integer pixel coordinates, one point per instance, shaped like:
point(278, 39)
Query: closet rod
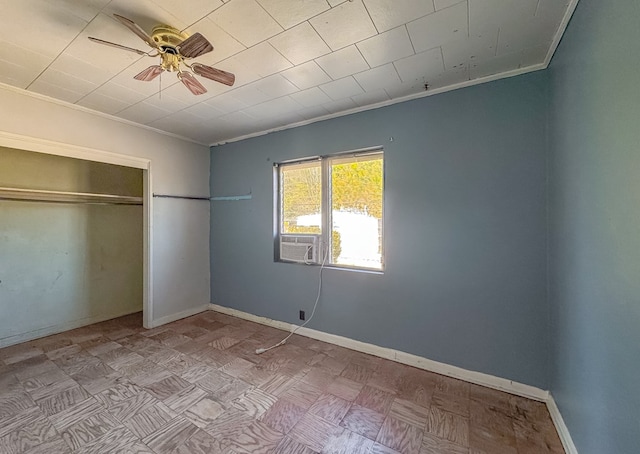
point(40, 195)
point(187, 197)
point(214, 199)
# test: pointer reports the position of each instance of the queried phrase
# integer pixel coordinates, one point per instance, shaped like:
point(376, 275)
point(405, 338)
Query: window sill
point(336, 267)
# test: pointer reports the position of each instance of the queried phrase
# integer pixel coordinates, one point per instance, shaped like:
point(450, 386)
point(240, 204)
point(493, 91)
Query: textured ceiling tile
point(484, 14)
point(274, 108)
point(143, 113)
point(85, 10)
point(249, 95)
point(187, 118)
point(39, 26)
point(17, 75)
point(20, 66)
point(442, 4)
point(502, 63)
point(439, 28)
point(368, 98)
point(306, 75)
point(169, 103)
point(300, 44)
point(378, 78)
point(289, 13)
point(55, 91)
point(232, 125)
point(343, 88)
point(177, 124)
point(530, 34)
point(79, 68)
point(145, 13)
point(453, 77)
point(263, 59)
point(534, 55)
point(194, 10)
point(386, 47)
point(344, 25)
point(244, 74)
point(107, 58)
point(102, 103)
point(309, 113)
point(343, 63)
point(169, 122)
point(121, 93)
point(269, 123)
point(420, 67)
point(340, 105)
point(203, 111)
point(275, 86)
point(552, 10)
point(61, 79)
point(246, 21)
point(175, 89)
point(224, 45)
point(387, 15)
point(479, 47)
point(311, 97)
point(404, 89)
point(226, 103)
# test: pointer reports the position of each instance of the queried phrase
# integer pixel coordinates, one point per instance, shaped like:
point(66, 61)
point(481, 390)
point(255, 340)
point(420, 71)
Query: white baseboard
point(59, 328)
point(561, 427)
point(477, 378)
point(180, 315)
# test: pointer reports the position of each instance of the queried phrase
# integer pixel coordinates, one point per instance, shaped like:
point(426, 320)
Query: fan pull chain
point(160, 87)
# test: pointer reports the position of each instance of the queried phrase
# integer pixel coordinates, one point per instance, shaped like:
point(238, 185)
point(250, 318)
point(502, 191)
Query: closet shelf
point(39, 195)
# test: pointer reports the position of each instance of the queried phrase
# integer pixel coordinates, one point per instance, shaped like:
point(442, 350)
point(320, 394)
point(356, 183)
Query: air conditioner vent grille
point(299, 248)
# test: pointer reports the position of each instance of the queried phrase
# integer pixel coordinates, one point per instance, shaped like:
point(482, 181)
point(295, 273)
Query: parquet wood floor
point(196, 386)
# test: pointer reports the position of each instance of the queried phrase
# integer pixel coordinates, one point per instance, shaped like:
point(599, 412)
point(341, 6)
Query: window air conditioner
point(300, 248)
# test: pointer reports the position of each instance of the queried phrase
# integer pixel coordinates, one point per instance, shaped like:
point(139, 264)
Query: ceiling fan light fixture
point(170, 62)
point(173, 47)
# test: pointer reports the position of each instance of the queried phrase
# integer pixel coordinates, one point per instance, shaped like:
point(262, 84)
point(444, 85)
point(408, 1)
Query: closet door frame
point(26, 143)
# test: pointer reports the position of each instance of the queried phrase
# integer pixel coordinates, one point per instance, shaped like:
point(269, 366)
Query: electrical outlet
point(302, 316)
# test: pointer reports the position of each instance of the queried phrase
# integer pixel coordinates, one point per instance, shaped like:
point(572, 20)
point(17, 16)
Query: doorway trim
point(20, 142)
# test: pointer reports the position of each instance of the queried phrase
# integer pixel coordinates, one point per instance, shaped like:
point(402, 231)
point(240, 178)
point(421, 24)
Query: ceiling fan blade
point(135, 28)
point(118, 46)
point(149, 74)
point(194, 46)
point(191, 83)
point(214, 74)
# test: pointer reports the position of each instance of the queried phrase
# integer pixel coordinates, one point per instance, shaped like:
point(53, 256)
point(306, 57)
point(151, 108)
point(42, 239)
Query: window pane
point(356, 210)
point(301, 197)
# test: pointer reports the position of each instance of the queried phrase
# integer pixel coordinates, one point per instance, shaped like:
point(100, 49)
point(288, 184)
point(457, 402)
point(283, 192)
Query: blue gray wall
point(595, 226)
point(465, 230)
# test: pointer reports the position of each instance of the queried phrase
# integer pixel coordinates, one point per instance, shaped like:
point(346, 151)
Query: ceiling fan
point(174, 48)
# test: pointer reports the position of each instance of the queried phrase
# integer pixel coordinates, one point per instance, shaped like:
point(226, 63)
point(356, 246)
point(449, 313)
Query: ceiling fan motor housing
point(168, 39)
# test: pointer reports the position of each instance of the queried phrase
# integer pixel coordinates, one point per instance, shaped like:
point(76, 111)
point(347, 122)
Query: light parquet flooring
point(197, 386)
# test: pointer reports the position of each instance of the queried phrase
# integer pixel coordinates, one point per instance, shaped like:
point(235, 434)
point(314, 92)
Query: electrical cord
point(313, 312)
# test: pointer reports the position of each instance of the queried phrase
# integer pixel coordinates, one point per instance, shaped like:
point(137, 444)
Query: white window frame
point(326, 212)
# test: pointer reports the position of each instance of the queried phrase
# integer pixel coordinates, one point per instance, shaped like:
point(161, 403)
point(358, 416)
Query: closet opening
point(74, 239)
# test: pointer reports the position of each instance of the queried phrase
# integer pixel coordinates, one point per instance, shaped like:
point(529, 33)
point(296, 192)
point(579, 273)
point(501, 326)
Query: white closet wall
point(67, 264)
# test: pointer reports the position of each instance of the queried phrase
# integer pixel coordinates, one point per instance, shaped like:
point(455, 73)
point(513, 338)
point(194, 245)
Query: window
point(330, 210)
